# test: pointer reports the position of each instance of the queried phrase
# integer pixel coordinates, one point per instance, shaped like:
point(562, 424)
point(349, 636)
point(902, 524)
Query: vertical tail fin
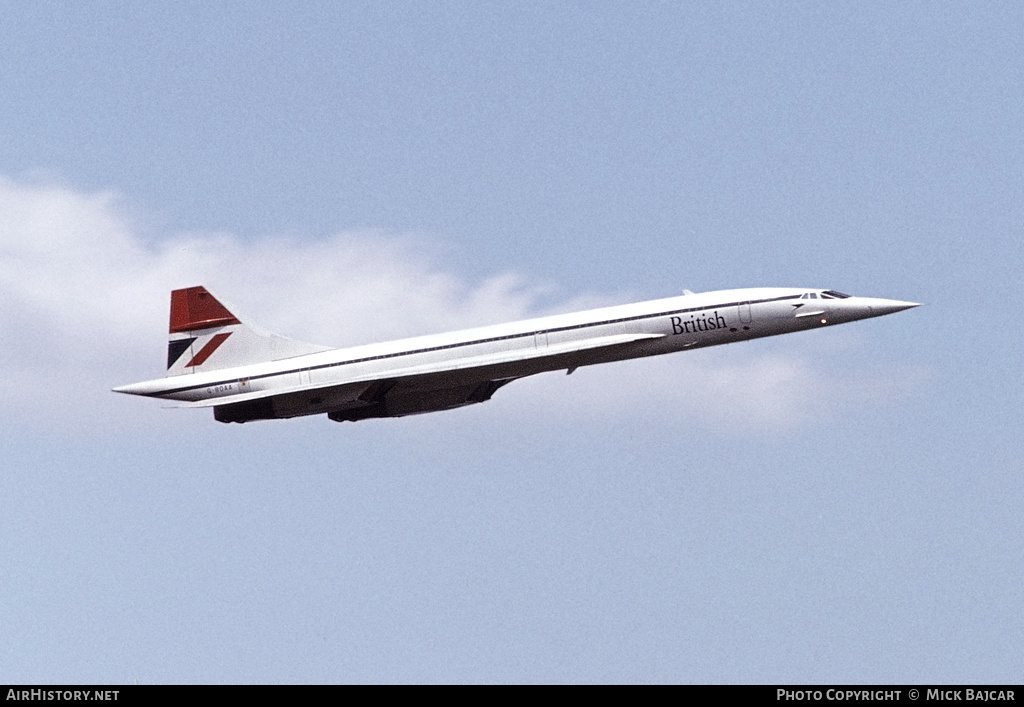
point(205, 336)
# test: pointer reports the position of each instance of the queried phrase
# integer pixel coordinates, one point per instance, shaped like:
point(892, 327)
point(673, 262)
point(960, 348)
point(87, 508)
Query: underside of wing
point(406, 391)
point(390, 397)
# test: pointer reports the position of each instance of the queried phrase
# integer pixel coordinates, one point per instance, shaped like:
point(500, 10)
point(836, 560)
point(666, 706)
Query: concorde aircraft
point(244, 373)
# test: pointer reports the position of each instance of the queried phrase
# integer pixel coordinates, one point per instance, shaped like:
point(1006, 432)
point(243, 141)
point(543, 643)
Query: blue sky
point(836, 506)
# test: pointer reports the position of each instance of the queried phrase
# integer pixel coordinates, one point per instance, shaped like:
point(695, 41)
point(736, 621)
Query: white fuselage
point(508, 351)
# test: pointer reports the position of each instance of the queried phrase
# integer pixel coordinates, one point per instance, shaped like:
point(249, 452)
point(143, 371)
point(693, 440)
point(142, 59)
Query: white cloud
point(83, 307)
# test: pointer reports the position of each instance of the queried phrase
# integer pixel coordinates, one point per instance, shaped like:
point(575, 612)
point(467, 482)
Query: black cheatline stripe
point(483, 341)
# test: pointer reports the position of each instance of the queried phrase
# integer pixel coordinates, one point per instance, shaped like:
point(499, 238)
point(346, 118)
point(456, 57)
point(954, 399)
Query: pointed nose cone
point(889, 306)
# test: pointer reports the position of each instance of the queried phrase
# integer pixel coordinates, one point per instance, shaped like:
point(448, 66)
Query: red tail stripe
point(206, 351)
point(195, 308)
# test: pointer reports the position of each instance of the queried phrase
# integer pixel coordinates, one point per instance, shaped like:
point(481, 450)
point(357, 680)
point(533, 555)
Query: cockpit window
point(832, 294)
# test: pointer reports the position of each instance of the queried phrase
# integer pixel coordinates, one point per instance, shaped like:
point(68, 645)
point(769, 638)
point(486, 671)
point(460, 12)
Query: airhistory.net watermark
point(62, 695)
